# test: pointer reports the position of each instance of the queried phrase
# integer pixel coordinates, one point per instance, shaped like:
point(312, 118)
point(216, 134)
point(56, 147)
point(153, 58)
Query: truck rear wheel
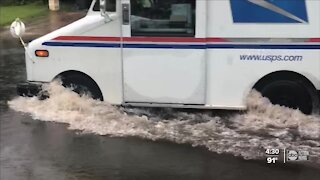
point(82, 85)
point(291, 93)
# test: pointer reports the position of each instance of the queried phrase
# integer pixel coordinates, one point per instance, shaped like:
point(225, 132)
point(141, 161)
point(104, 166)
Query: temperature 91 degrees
point(272, 160)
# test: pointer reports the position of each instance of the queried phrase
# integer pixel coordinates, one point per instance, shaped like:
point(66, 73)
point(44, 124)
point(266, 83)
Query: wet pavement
point(36, 150)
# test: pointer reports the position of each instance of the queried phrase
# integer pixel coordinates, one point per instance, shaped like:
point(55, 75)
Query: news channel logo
point(301, 155)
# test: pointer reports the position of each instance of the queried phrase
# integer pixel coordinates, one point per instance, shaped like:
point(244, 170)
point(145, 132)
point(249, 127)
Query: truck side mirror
point(17, 28)
point(103, 8)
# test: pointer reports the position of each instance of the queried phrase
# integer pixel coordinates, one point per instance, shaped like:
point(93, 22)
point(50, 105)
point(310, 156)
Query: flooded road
point(72, 137)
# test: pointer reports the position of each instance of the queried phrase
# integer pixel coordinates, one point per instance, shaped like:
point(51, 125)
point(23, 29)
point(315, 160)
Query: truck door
point(163, 61)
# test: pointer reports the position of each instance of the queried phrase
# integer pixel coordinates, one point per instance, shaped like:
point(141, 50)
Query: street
point(68, 137)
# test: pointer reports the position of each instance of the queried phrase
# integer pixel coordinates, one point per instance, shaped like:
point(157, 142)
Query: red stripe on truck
point(87, 38)
point(314, 40)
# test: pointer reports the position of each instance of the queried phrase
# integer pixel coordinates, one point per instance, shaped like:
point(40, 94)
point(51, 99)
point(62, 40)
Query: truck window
point(173, 18)
point(111, 6)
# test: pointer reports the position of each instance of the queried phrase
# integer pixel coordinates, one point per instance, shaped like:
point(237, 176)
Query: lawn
point(24, 12)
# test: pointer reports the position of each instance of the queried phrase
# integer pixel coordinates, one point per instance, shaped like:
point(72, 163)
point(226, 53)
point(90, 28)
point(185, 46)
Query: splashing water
point(246, 134)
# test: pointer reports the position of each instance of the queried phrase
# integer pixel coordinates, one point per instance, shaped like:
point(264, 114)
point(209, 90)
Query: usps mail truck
point(185, 53)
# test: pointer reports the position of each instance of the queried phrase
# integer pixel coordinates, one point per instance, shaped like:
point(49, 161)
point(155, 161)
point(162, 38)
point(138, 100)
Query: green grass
point(24, 12)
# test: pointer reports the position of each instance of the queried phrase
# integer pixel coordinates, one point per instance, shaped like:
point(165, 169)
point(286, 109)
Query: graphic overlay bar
point(274, 155)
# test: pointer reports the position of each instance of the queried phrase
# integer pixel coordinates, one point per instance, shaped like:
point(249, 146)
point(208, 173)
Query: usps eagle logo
point(269, 11)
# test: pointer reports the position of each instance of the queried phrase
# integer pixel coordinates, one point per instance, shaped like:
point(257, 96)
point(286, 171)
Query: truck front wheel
point(82, 85)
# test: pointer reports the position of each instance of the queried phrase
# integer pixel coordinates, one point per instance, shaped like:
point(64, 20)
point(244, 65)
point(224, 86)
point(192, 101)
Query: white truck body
point(215, 68)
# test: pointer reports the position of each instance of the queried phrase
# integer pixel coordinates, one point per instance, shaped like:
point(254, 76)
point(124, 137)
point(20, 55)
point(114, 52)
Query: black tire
point(82, 85)
point(291, 93)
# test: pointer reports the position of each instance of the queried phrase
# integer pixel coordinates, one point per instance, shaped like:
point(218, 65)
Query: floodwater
point(72, 137)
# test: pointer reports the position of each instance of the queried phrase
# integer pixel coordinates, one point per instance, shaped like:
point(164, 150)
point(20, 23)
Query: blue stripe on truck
point(262, 46)
point(185, 46)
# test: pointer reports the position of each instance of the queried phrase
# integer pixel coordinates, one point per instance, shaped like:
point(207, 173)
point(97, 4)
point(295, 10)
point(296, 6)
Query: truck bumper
point(29, 89)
